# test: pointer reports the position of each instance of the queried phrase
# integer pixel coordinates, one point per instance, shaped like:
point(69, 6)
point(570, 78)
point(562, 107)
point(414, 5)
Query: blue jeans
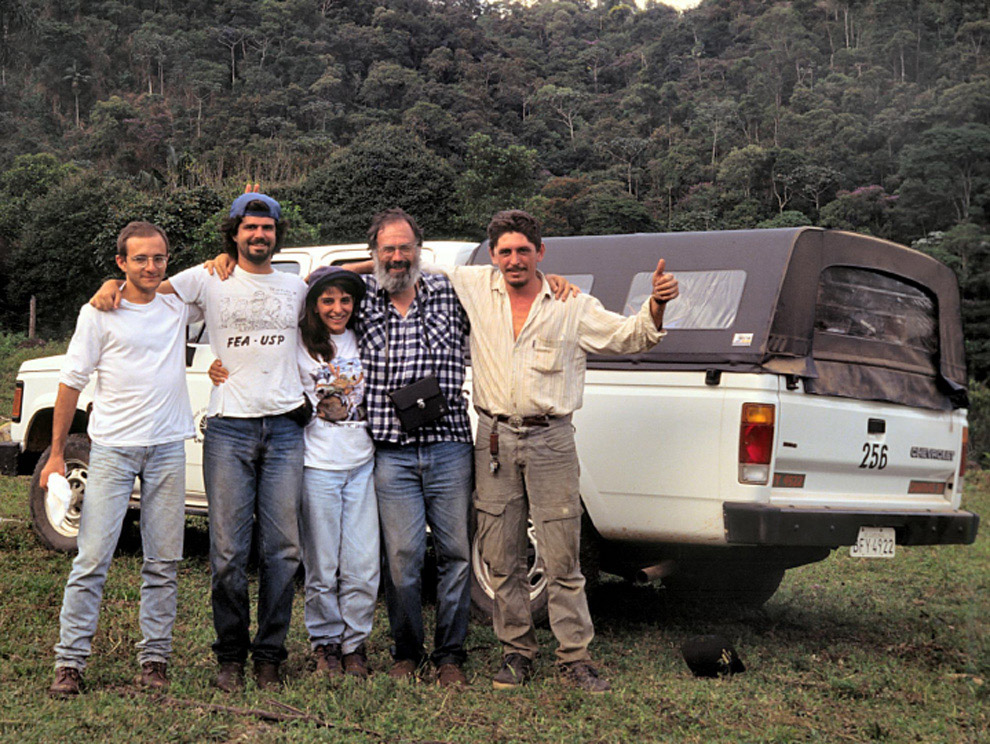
point(420, 485)
point(338, 524)
point(112, 470)
point(253, 468)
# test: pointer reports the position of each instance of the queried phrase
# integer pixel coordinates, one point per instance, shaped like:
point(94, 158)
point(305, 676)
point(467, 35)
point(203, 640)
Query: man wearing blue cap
point(253, 447)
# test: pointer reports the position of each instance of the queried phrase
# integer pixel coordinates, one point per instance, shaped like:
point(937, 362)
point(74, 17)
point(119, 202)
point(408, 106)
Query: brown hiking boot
point(584, 676)
point(266, 675)
point(231, 676)
point(68, 682)
point(451, 675)
point(403, 669)
point(328, 659)
point(153, 676)
point(356, 663)
point(515, 671)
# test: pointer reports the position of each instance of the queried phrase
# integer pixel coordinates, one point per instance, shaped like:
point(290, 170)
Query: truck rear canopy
point(851, 315)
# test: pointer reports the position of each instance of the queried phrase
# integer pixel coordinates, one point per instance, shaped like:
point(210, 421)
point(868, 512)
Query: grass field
point(847, 651)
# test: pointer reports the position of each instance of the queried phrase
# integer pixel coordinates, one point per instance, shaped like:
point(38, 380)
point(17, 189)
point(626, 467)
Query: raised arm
point(665, 289)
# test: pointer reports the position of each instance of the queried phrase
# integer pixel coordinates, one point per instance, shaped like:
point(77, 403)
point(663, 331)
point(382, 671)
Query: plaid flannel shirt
point(429, 340)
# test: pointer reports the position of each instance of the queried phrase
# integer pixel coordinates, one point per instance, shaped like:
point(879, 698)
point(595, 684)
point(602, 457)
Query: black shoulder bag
point(419, 403)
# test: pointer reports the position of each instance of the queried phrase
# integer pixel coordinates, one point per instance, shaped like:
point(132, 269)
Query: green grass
point(894, 651)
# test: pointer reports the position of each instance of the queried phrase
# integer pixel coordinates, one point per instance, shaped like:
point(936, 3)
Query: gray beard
point(395, 284)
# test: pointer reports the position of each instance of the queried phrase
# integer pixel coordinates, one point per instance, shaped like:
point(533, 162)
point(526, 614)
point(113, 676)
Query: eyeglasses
point(159, 260)
point(408, 249)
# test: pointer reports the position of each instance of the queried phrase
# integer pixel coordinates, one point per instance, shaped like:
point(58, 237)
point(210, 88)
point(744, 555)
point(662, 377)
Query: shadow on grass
point(840, 622)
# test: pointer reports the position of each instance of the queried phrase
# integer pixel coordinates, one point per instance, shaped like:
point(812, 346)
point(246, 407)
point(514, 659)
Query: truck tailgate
point(855, 454)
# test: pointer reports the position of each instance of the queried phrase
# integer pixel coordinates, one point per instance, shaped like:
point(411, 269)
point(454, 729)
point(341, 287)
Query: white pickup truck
point(810, 394)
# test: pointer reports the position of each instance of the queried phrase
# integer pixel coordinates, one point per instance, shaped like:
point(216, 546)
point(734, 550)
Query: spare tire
point(482, 594)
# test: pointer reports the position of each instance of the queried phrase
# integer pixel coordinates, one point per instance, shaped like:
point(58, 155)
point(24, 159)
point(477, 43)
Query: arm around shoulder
point(187, 285)
point(108, 296)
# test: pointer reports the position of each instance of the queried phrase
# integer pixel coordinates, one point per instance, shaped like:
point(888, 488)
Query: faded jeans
point(338, 525)
point(112, 470)
point(253, 467)
point(420, 485)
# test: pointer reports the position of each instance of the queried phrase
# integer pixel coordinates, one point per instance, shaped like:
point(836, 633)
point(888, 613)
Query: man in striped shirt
point(528, 357)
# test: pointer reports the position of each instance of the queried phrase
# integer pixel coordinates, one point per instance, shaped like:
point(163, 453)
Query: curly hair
point(515, 220)
point(229, 225)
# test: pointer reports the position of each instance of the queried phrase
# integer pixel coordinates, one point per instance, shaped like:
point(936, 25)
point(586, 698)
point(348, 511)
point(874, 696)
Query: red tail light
point(755, 442)
point(964, 454)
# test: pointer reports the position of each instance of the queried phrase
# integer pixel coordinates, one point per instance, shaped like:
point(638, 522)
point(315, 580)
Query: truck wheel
point(482, 595)
point(62, 535)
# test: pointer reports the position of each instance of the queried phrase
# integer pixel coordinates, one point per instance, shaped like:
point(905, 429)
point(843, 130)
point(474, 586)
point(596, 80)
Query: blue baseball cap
point(240, 206)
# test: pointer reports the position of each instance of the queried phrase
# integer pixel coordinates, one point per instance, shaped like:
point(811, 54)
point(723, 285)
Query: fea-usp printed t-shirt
point(251, 320)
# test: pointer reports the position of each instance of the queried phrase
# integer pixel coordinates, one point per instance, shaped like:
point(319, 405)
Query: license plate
point(874, 542)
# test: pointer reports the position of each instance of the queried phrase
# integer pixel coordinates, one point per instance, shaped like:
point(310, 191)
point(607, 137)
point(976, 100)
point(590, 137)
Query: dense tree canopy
point(598, 115)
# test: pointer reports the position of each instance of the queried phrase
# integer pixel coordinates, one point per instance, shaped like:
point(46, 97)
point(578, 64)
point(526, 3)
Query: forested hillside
point(600, 117)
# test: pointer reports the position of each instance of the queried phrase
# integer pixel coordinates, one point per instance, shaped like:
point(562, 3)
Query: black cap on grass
point(711, 656)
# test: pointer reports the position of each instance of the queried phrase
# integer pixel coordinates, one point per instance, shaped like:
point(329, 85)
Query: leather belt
point(518, 421)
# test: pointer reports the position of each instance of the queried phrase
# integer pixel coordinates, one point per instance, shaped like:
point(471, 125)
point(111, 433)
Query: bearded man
point(411, 325)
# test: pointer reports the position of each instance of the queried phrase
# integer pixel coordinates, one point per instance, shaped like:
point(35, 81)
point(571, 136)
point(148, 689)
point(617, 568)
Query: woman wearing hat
point(338, 522)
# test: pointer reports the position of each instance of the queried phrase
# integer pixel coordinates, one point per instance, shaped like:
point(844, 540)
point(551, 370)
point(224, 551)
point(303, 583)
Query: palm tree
point(76, 78)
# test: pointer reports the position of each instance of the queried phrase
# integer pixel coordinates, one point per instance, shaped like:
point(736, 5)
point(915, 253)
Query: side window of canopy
point(861, 303)
point(584, 282)
point(709, 300)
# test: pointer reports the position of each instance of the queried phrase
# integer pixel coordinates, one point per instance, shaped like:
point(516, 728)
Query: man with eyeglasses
point(411, 325)
point(140, 419)
point(253, 446)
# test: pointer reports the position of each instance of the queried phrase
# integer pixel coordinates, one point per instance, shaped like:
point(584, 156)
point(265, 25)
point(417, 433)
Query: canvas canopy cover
point(850, 315)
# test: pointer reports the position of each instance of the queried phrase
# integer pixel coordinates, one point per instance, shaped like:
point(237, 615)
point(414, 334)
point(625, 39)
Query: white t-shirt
point(252, 320)
point(139, 355)
point(337, 438)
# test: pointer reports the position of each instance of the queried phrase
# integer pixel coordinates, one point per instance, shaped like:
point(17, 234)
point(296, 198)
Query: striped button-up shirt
point(428, 340)
point(542, 371)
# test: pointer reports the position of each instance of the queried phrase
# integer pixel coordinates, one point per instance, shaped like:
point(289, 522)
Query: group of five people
point(305, 452)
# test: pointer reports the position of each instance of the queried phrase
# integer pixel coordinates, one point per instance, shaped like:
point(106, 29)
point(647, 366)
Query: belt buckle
point(515, 421)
